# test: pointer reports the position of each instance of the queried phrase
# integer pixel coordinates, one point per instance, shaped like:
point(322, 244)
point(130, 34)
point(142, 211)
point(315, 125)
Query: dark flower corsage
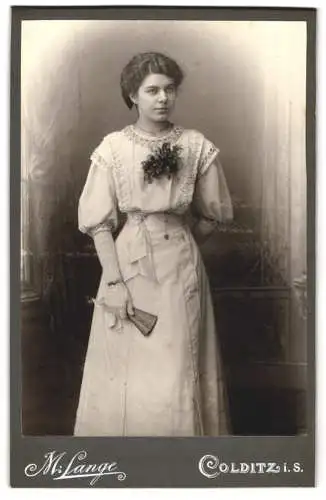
point(164, 161)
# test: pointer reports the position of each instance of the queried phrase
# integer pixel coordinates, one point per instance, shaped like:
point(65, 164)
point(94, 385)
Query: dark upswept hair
point(143, 64)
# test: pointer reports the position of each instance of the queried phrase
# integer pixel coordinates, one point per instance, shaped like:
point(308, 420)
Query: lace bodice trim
point(149, 141)
point(98, 160)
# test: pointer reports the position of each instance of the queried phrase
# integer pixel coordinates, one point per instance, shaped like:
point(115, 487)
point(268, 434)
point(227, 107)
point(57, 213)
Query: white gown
point(171, 382)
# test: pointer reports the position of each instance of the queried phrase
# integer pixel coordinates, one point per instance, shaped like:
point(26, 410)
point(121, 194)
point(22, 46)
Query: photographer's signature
point(59, 467)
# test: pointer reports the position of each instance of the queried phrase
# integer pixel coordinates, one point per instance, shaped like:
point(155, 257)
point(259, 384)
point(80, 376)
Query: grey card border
point(160, 462)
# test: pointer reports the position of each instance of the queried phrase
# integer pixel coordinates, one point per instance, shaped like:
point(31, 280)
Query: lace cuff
point(108, 226)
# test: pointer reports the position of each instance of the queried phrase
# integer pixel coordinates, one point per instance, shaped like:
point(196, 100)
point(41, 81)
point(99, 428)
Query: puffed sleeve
point(97, 208)
point(212, 199)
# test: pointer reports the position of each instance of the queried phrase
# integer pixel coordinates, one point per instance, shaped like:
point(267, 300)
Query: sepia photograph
point(164, 227)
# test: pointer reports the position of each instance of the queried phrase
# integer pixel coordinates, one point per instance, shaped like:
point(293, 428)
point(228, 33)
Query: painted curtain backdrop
point(248, 81)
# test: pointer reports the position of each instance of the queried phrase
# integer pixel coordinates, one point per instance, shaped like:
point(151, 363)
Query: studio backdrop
point(245, 89)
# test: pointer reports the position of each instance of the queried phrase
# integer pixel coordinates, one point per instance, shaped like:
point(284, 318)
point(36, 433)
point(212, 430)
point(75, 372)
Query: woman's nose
point(162, 96)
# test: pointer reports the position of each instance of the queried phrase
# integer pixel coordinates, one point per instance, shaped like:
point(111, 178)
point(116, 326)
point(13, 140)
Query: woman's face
point(155, 98)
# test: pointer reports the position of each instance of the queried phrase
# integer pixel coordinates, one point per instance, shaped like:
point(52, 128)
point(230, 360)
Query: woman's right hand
point(117, 299)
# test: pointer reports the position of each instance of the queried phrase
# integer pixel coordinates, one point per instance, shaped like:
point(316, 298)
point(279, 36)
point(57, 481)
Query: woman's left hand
point(202, 230)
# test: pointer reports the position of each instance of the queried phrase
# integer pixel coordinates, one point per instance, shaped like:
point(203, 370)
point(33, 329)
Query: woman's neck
point(153, 128)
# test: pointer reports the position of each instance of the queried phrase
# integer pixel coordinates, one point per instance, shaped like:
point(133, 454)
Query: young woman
point(169, 383)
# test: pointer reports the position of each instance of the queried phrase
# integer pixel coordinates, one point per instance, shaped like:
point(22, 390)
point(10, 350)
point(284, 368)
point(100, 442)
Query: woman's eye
point(169, 90)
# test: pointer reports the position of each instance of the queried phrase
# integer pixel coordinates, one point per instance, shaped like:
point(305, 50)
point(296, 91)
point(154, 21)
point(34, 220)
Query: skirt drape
point(170, 383)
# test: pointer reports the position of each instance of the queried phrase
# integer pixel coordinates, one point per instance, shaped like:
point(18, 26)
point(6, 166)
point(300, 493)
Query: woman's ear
point(133, 98)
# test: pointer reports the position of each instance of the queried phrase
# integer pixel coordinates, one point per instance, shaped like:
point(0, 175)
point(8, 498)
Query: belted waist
point(158, 221)
point(142, 232)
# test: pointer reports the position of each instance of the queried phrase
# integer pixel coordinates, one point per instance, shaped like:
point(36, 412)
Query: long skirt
point(171, 382)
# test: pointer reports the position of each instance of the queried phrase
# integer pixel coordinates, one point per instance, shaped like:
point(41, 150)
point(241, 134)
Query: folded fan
point(144, 321)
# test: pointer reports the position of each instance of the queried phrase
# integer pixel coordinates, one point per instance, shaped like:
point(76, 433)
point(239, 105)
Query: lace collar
point(139, 137)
